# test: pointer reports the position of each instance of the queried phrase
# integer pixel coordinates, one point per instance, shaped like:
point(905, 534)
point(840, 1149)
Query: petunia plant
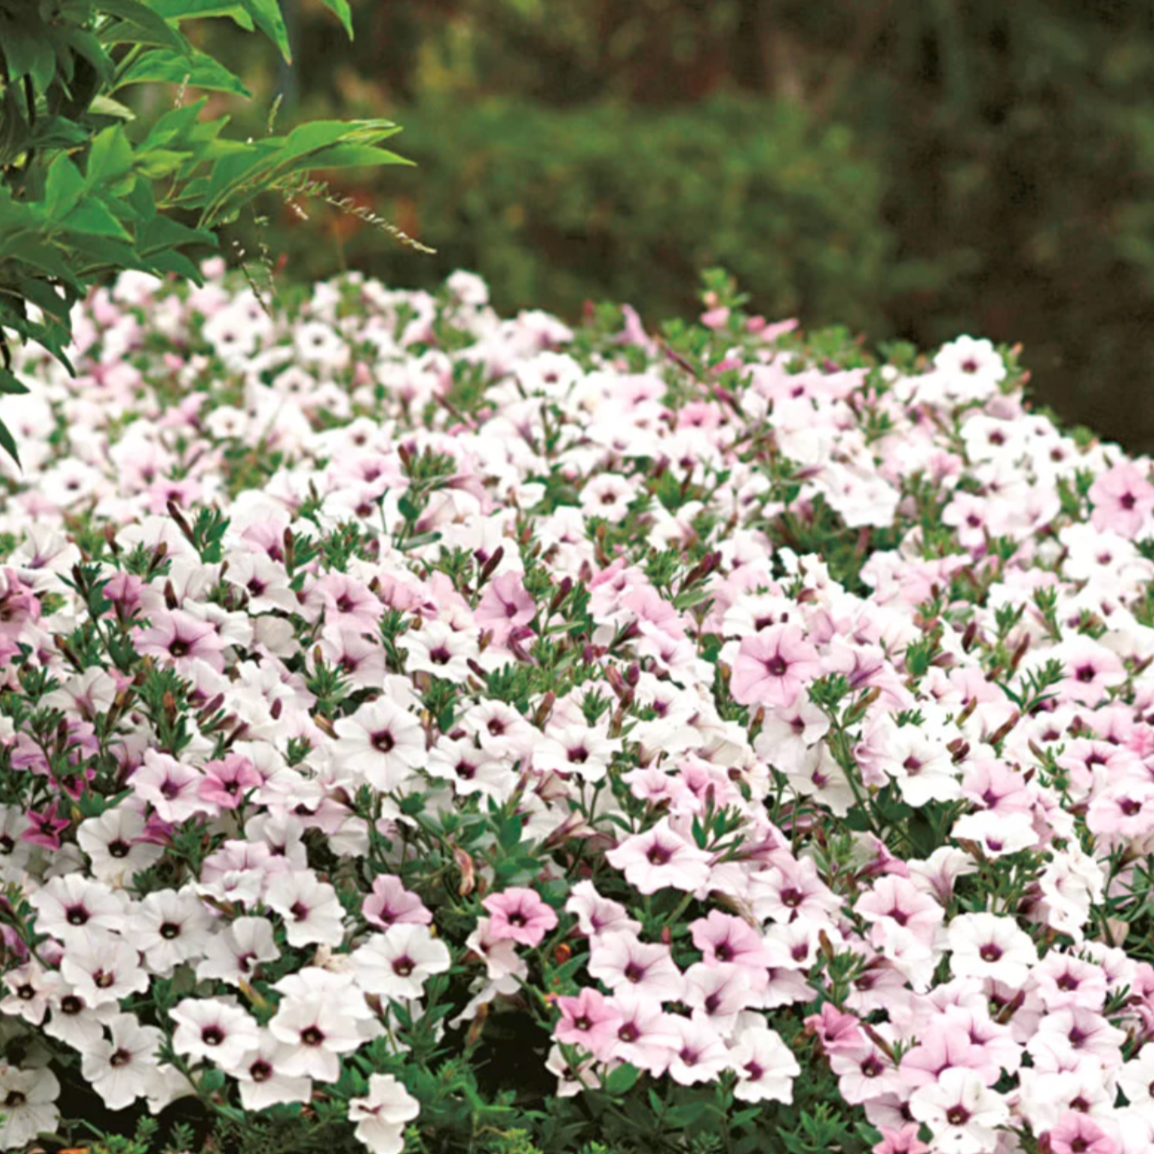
point(431, 733)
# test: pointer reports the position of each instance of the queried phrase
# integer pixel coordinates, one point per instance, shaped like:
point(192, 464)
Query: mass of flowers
point(432, 732)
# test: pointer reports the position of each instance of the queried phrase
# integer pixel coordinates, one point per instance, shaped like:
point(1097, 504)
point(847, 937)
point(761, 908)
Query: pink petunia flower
point(520, 915)
point(589, 1020)
point(1122, 498)
point(773, 666)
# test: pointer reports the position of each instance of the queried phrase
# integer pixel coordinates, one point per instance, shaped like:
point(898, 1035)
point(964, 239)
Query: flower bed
point(421, 730)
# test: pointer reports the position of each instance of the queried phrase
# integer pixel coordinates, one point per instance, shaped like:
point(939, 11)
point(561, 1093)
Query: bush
point(422, 731)
point(603, 202)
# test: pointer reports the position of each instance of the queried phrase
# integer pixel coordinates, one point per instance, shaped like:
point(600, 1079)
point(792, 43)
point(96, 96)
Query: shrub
point(425, 731)
point(563, 206)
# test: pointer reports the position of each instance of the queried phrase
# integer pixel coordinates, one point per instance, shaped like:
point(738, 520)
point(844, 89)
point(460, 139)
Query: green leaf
point(162, 232)
point(165, 67)
point(52, 132)
point(148, 26)
point(86, 45)
point(343, 12)
point(188, 9)
point(349, 156)
point(267, 16)
point(92, 217)
point(11, 384)
point(110, 157)
point(621, 1079)
point(106, 106)
point(63, 188)
point(8, 444)
point(44, 258)
point(50, 303)
point(27, 53)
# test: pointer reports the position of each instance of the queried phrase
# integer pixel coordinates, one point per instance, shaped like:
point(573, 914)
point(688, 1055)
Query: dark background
point(907, 168)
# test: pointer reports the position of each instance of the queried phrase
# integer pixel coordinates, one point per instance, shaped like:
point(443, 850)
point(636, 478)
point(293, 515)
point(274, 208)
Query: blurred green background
point(908, 168)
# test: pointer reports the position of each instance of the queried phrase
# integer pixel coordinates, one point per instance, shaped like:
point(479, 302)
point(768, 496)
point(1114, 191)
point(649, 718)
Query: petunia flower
point(519, 914)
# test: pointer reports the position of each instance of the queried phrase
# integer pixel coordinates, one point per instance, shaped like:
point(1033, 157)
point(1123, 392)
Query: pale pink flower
point(773, 666)
point(391, 904)
point(588, 1020)
point(1122, 498)
point(1077, 1133)
point(519, 914)
point(660, 858)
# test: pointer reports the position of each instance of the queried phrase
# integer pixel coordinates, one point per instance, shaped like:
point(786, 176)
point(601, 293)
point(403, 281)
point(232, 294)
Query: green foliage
point(87, 190)
point(559, 207)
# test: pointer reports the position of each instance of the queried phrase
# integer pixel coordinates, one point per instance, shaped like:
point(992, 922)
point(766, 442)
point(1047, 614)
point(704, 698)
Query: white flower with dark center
point(961, 1111)
point(469, 769)
point(578, 749)
point(382, 742)
point(311, 910)
point(381, 1115)
point(27, 1105)
point(214, 1029)
point(169, 786)
point(30, 987)
point(440, 650)
point(263, 1082)
point(170, 927)
point(74, 1021)
point(74, 907)
point(118, 1069)
point(233, 956)
point(113, 844)
point(765, 1066)
point(990, 946)
point(397, 963)
point(315, 1030)
point(14, 851)
point(103, 969)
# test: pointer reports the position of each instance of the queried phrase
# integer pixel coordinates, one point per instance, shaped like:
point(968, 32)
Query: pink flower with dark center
point(182, 639)
point(520, 915)
point(45, 827)
point(727, 940)
point(835, 1029)
point(588, 1020)
point(903, 1141)
point(646, 1035)
point(658, 858)
point(773, 666)
point(1122, 498)
point(224, 782)
point(504, 605)
point(390, 904)
point(1077, 1133)
point(898, 900)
